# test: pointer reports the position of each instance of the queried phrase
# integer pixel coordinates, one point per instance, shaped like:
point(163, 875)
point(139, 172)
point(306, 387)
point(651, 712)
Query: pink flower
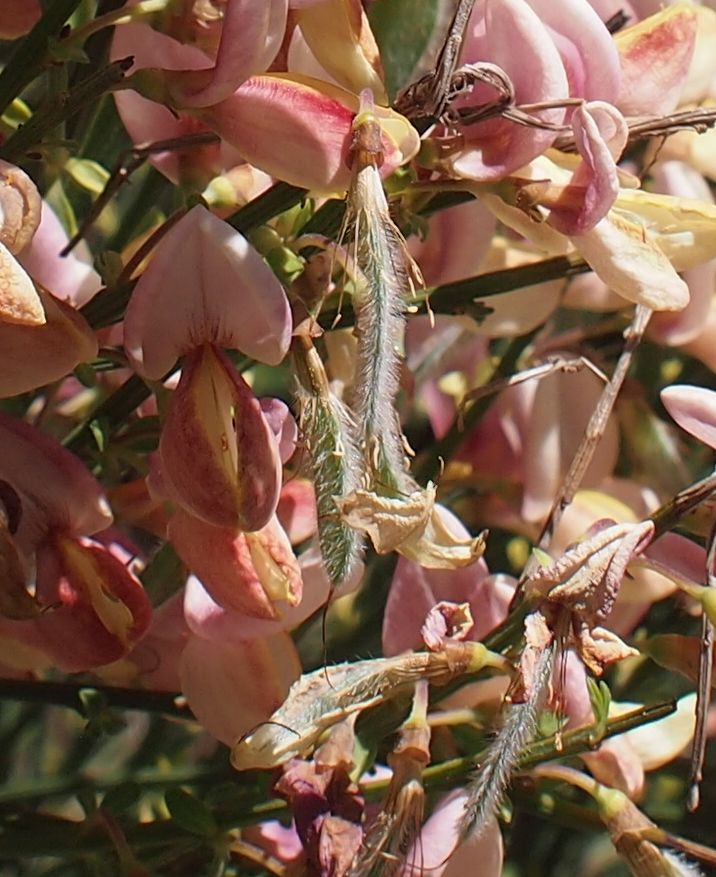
point(96, 609)
point(440, 852)
point(220, 458)
point(254, 112)
point(415, 590)
point(655, 55)
point(232, 687)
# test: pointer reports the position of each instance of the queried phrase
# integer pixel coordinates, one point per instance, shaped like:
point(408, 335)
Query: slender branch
point(668, 516)
point(68, 694)
point(704, 687)
point(62, 107)
point(29, 56)
point(594, 432)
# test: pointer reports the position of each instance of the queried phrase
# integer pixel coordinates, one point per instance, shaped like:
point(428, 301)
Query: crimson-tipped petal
point(99, 610)
point(256, 574)
point(220, 459)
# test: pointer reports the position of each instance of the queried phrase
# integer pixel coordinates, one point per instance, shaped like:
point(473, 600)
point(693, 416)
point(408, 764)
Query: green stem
point(67, 694)
point(574, 742)
point(279, 198)
point(463, 296)
point(30, 54)
point(122, 15)
point(54, 112)
point(114, 410)
point(164, 575)
point(42, 835)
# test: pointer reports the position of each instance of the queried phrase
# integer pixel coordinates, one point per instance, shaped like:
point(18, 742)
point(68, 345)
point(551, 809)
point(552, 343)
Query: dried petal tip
point(414, 526)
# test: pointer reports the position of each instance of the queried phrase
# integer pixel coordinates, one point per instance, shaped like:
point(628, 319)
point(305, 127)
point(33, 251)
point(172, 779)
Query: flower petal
point(31, 356)
point(220, 459)
point(655, 58)
point(19, 300)
point(600, 133)
point(99, 608)
point(694, 409)
point(57, 492)
point(512, 36)
point(339, 36)
point(251, 35)
point(627, 260)
point(255, 574)
point(205, 283)
point(439, 851)
point(269, 111)
point(233, 687)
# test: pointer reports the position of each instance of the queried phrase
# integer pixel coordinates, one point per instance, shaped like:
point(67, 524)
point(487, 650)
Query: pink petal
point(436, 348)
point(438, 853)
point(153, 663)
point(208, 619)
point(69, 277)
point(283, 425)
point(585, 45)
point(251, 35)
point(17, 17)
point(219, 457)
point(457, 241)
point(297, 510)
point(31, 356)
point(679, 555)
point(255, 574)
point(600, 134)
point(415, 590)
point(205, 283)
point(694, 409)
point(681, 327)
point(561, 408)
point(147, 121)
point(514, 38)
point(655, 57)
point(233, 687)
point(56, 490)
point(315, 118)
point(98, 608)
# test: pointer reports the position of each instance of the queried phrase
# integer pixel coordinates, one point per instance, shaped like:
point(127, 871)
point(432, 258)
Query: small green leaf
point(285, 264)
point(86, 375)
point(600, 697)
point(403, 30)
point(16, 114)
point(89, 175)
point(109, 265)
point(190, 813)
point(99, 434)
point(542, 558)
